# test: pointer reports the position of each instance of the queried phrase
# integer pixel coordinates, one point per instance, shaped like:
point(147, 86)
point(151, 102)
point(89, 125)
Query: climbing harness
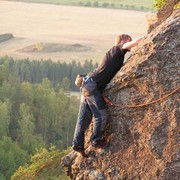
point(110, 104)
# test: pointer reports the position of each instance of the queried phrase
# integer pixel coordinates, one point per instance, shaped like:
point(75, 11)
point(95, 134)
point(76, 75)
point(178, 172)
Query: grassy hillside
point(145, 5)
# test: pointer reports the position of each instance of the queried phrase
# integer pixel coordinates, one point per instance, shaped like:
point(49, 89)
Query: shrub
point(80, 3)
point(45, 164)
point(177, 6)
point(158, 4)
point(88, 4)
point(132, 7)
point(96, 4)
point(121, 5)
point(105, 4)
point(142, 7)
point(112, 5)
point(127, 6)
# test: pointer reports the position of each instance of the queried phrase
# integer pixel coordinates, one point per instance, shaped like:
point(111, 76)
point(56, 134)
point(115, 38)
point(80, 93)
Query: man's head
point(122, 38)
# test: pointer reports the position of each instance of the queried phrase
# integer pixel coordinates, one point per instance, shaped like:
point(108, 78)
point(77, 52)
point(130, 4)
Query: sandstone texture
point(143, 142)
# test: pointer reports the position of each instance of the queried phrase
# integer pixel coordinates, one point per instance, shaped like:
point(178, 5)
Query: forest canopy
point(37, 109)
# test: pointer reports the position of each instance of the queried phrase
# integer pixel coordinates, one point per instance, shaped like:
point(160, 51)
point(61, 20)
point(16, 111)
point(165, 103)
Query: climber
point(92, 102)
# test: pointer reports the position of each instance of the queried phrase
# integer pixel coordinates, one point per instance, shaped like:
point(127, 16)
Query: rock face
point(144, 142)
point(164, 13)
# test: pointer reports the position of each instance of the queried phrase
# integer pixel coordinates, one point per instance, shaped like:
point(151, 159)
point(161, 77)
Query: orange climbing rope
point(108, 101)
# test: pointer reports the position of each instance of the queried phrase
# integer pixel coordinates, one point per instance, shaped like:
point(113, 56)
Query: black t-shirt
point(110, 65)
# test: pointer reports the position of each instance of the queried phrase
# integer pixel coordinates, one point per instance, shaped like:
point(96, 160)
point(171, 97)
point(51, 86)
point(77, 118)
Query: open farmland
point(64, 33)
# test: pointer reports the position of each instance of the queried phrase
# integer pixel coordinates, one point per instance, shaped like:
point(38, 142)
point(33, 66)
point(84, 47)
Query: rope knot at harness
point(110, 104)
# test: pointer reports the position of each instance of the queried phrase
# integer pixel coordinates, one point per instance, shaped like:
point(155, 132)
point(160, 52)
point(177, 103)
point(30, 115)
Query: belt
point(85, 92)
point(88, 79)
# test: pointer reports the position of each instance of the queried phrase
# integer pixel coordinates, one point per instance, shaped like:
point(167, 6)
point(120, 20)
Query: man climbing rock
point(92, 102)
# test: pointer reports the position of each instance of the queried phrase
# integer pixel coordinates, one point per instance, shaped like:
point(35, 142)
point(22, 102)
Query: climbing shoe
point(80, 150)
point(101, 143)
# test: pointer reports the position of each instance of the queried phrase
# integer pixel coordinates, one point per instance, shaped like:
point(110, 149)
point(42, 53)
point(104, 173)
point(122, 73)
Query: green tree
point(45, 164)
point(35, 71)
point(65, 84)
point(27, 94)
point(26, 136)
point(26, 124)
point(5, 109)
point(42, 96)
point(11, 157)
point(105, 4)
point(35, 115)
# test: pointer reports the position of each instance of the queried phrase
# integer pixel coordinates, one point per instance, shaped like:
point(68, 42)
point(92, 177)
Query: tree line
point(116, 4)
point(57, 73)
point(35, 109)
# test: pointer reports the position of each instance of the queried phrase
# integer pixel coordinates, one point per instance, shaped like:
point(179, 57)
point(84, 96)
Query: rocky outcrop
point(164, 13)
point(143, 142)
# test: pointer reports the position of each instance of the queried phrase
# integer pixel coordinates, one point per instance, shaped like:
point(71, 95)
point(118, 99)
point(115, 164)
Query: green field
point(142, 5)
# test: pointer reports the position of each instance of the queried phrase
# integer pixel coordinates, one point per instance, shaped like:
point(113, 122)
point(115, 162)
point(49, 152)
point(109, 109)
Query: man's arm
point(129, 45)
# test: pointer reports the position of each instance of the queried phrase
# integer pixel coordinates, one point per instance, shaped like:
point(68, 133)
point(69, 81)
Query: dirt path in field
point(64, 33)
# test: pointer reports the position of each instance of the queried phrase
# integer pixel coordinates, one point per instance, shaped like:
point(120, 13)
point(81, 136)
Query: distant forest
point(36, 111)
point(57, 73)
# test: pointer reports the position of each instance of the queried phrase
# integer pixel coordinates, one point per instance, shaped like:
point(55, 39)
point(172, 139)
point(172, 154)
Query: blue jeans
point(92, 105)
